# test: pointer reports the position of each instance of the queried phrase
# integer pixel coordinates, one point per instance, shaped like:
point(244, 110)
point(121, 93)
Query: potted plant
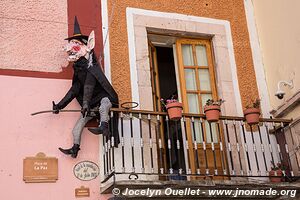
point(252, 112)
point(174, 108)
point(276, 172)
point(212, 109)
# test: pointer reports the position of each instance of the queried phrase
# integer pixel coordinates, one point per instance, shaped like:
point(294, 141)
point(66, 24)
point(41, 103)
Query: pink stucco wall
point(23, 135)
point(32, 33)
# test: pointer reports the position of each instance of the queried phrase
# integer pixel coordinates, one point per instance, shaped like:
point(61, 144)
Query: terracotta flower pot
point(275, 179)
point(174, 110)
point(212, 113)
point(252, 115)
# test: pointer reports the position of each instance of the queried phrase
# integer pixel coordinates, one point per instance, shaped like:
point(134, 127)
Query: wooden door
point(157, 107)
point(154, 77)
point(197, 85)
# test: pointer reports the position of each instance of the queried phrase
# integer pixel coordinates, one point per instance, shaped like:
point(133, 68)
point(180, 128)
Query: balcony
point(156, 152)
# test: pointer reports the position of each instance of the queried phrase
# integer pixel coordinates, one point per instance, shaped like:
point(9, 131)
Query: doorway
point(166, 73)
point(192, 82)
point(168, 90)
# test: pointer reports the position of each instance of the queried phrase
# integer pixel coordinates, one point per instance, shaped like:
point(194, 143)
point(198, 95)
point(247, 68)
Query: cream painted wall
point(278, 29)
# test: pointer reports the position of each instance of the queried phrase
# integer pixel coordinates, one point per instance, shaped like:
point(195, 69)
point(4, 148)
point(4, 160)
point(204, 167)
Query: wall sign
point(40, 169)
point(82, 192)
point(86, 170)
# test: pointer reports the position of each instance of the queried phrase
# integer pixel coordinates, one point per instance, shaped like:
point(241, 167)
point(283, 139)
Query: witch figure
point(90, 87)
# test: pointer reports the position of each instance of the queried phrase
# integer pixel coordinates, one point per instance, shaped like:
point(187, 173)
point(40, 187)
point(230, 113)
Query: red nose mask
point(76, 48)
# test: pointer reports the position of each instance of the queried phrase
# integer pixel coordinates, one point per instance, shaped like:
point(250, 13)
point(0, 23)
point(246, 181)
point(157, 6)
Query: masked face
point(75, 50)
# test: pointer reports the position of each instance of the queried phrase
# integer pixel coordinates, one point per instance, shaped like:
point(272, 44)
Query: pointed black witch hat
point(77, 33)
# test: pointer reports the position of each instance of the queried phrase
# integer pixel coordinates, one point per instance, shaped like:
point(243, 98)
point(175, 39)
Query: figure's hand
point(55, 108)
point(85, 110)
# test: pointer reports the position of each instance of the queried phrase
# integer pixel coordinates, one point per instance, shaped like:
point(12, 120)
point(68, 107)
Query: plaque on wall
point(82, 192)
point(86, 170)
point(40, 169)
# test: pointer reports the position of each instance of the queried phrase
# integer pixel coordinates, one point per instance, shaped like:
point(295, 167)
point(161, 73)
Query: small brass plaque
point(82, 192)
point(40, 169)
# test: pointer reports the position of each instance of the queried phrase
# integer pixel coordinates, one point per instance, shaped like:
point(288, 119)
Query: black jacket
point(91, 85)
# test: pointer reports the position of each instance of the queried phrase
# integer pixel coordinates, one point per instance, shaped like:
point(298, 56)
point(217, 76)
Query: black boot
point(72, 151)
point(102, 129)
